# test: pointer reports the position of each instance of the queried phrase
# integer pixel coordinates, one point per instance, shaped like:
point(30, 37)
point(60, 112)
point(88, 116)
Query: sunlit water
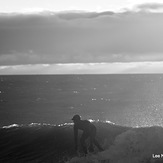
point(127, 100)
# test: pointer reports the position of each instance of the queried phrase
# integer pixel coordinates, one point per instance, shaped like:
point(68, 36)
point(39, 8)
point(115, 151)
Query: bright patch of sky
point(61, 5)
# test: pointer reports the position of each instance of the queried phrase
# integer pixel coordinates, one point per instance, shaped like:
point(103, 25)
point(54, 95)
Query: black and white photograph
point(81, 81)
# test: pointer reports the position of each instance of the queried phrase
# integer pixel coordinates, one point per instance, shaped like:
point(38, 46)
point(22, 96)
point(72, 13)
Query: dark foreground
point(54, 144)
point(42, 143)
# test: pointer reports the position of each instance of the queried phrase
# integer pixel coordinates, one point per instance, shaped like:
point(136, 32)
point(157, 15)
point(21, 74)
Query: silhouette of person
point(89, 131)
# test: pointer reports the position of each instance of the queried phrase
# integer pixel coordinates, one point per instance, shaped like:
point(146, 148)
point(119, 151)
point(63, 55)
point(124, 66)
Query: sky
point(81, 36)
point(62, 5)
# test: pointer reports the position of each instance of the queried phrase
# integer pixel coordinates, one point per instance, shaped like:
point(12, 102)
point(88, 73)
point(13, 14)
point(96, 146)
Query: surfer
point(89, 131)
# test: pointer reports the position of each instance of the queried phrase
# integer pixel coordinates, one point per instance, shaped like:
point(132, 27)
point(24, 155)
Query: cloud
point(150, 7)
point(85, 68)
point(80, 37)
point(69, 15)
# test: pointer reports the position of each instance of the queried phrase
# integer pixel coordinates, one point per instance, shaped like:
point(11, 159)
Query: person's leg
point(92, 137)
point(94, 141)
point(82, 142)
point(97, 145)
point(91, 149)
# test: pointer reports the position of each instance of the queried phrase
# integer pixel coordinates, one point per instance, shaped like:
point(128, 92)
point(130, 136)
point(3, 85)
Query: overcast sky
point(116, 36)
point(61, 5)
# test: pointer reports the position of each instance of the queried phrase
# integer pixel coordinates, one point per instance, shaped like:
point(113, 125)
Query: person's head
point(76, 118)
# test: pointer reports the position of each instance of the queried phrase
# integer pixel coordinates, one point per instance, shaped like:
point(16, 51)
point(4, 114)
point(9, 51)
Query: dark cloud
point(81, 15)
point(48, 37)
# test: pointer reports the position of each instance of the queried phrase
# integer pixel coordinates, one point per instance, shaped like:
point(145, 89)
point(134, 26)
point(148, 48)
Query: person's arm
point(76, 137)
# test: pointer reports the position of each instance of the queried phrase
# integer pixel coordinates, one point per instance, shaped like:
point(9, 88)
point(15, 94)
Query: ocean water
point(38, 143)
point(126, 100)
point(36, 112)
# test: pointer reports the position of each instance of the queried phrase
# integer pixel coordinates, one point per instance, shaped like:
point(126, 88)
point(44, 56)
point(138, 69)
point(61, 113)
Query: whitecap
point(10, 126)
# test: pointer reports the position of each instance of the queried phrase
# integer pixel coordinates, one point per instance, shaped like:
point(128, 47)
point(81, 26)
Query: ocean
point(126, 100)
point(36, 112)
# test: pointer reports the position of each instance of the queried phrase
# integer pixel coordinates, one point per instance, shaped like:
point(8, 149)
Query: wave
point(47, 124)
point(47, 143)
